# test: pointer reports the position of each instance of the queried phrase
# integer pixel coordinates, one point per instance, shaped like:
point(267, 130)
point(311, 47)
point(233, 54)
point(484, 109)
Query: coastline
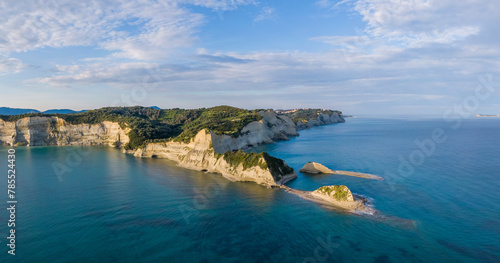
point(207, 151)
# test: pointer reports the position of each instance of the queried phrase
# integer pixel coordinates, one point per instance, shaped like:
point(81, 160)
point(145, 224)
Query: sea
point(439, 201)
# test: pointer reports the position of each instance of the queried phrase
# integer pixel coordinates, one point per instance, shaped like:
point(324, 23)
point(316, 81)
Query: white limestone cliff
point(200, 154)
point(322, 119)
point(40, 131)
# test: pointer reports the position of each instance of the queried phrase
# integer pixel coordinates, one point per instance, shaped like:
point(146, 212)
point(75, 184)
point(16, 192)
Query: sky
point(381, 57)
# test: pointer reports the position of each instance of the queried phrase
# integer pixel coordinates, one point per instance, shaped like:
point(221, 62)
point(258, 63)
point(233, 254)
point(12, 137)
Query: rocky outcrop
point(335, 196)
point(334, 193)
point(341, 197)
point(315, 168)
point(212, 152)
point(271, 128)
point(200, 154)
point(322, 119)
point(40, 131)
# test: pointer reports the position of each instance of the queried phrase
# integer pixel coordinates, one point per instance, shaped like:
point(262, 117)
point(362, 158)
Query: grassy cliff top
point(277, 167)
point(340, 192)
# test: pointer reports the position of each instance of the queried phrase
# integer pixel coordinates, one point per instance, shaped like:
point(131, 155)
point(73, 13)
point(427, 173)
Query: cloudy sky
point(359, 56)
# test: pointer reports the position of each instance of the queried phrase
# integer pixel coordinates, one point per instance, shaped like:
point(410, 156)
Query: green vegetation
point(221, 120)
point(277, 167)
point(305, 114)
point(246, 159)
point(155, 125)
point(340, 192)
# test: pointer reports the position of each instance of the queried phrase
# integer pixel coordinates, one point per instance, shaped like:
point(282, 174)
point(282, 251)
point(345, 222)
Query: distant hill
point(487, 116)
point(61, 111)
point(16, 111)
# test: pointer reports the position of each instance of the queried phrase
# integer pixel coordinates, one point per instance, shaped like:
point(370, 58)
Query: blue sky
point(359, 56)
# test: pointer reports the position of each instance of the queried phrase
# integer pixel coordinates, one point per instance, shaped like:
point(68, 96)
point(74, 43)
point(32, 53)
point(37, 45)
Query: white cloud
point(97, 73)
point(10, 65)
point(267, 13)
point(137, 29)
point(410, 52)
point(221, 4)
point(394, 77)
point(329, 4)
point(421, 22)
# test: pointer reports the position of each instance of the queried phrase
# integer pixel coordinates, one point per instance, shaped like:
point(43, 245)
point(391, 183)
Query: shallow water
point(105, 206)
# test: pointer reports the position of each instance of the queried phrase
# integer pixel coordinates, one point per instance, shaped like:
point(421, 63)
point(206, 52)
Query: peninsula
point(207, 139)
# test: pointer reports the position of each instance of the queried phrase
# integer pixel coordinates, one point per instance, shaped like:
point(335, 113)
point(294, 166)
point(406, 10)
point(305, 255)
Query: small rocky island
point(336, 196)
point(317, 168)
point(334, 193)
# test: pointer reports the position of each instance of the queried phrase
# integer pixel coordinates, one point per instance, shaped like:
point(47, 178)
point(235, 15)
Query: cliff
point(209, 150)
point(40, 131)
point(214, 153)
point(200, 154)
point(321, 119)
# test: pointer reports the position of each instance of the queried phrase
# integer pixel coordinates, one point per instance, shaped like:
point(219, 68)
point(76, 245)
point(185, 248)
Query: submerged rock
point(315, 168)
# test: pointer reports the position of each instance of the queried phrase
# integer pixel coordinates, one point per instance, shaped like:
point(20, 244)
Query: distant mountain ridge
point(62, 111)
point(16, 111)
point(19, 111)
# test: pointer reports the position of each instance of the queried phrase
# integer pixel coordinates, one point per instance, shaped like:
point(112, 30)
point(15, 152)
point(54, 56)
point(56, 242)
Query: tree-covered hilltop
point(152, 124)
point(149, 124)
point(305, 114)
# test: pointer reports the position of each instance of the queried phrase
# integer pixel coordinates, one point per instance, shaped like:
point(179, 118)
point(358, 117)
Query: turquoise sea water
point(99, 205)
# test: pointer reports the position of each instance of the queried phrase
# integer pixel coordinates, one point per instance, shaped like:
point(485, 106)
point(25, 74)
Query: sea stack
point(315, 168)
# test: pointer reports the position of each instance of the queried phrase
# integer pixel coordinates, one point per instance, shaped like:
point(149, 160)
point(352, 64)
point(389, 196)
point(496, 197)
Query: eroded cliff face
point(271, 128)
point(40, 131)
point(200, 154)
point(323, 119)
point(204, 151)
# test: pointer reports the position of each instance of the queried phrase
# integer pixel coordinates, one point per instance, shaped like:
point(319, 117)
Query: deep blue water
point(99, 205)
